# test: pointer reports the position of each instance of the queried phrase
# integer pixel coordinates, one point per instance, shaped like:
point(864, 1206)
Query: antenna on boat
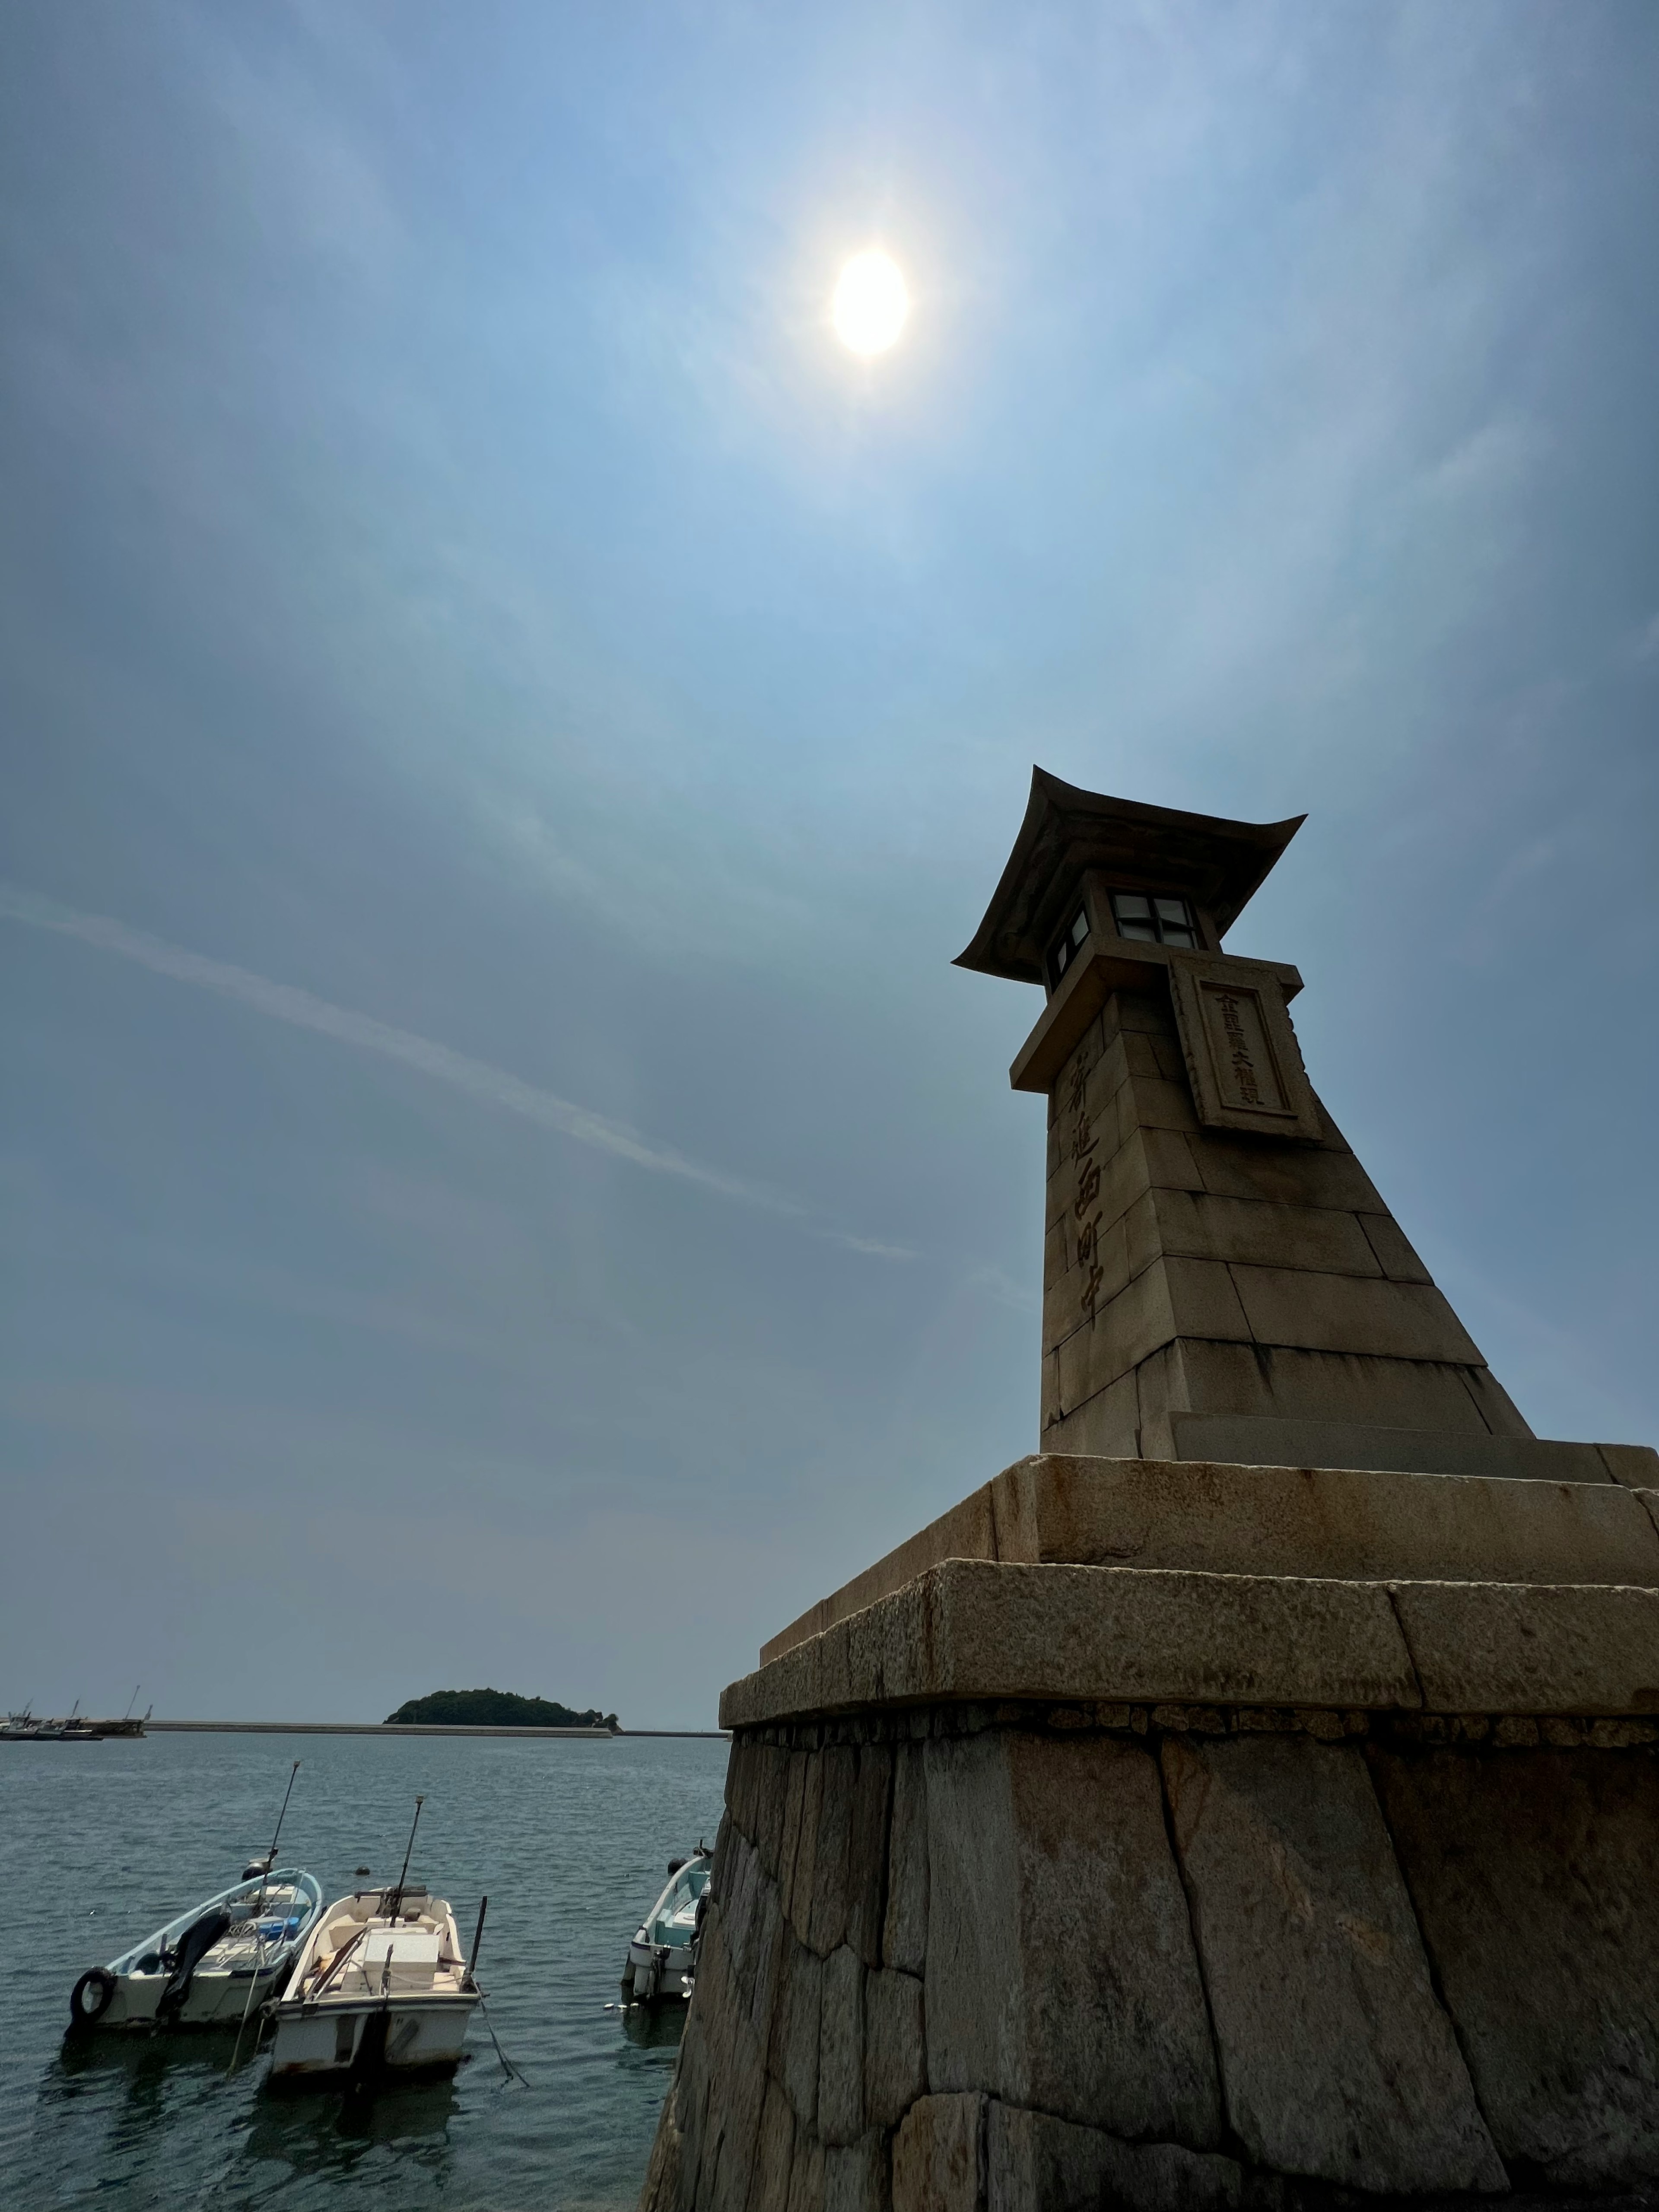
point(394, 1901)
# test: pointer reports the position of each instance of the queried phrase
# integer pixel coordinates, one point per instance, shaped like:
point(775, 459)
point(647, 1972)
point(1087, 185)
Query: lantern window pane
point(1154, 922)
point(1066, 951)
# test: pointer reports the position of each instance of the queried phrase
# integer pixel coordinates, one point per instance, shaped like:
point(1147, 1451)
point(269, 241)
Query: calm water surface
point(101, 1842)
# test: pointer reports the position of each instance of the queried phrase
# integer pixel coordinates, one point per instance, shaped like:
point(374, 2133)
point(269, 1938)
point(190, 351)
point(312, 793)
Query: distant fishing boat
point(662, 1959)
point(23, 1727)
point(380, 1988)
point(211, 1966)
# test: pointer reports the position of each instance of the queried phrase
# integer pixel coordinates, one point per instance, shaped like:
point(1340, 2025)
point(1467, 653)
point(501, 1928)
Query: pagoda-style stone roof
point(1217, 865)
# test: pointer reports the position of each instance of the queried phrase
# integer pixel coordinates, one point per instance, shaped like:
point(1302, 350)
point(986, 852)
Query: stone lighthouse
point(1253, 1796)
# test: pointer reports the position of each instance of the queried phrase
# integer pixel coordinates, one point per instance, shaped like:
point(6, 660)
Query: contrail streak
point(477, 1079)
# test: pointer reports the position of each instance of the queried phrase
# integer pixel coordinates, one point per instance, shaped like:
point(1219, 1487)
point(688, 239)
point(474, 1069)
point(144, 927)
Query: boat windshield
point(675, 1920)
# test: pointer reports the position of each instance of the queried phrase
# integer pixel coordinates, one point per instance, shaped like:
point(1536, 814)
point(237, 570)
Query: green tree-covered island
point(494, 1709)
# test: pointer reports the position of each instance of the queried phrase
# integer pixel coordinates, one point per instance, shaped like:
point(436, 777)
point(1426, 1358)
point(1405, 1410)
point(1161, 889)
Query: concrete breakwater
point(410, 1728)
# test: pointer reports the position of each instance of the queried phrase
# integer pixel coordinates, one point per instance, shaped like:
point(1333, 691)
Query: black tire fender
point(92, 1997)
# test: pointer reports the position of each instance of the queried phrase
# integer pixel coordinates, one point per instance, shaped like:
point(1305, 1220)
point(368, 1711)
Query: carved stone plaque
point(1242, 1055)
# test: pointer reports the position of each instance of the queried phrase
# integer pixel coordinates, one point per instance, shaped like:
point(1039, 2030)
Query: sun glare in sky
point(871, 304)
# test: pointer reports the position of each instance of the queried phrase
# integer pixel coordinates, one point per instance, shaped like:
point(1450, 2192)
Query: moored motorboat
point(380, 1988)
point(210, 1966)
point(662, 1959)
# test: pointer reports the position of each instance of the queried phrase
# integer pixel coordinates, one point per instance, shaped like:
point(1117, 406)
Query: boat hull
point(337, 2039)
point(214, 2000)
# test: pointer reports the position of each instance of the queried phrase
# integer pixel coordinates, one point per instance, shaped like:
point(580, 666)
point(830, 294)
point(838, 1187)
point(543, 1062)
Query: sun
point(871, 303)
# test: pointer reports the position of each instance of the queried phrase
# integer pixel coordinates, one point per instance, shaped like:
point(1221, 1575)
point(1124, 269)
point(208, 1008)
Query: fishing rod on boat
point(392, 1903)
point(263, 1866)
point(259, 1907)
point(477, 1938)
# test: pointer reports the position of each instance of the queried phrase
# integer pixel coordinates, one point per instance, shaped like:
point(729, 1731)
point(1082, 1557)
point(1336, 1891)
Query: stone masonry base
point(1036, 1958)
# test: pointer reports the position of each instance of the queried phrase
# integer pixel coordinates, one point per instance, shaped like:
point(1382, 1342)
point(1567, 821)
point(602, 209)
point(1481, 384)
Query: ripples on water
point(101, 1842)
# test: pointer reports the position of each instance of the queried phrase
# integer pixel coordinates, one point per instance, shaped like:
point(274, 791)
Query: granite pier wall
point(999, 1957)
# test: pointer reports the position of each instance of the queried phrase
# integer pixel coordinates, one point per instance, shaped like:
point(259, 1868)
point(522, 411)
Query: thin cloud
point(476, 1079)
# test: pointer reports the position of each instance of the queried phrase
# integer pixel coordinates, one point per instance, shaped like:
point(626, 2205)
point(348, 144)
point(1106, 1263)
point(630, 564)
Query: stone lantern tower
point(1221, 1280)
point(1252, 1798)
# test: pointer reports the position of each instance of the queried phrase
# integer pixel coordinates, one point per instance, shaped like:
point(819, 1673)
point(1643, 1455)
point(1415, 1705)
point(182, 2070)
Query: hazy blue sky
point(506, 724)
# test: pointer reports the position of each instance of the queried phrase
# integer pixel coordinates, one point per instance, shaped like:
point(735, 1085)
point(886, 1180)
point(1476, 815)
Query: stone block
point(1063, 1308)
point(662, 2190)
point(1148, 1102)
point(938, 2156)
point(1394, 1255)
point(794, 1790)
point(806, 2179)
point(1057, 1248)
point(855, 2177)
point(774, 2152)
point(1636, 1466)
point(770, 1798)
point(769, 1935)
point(1170, 1298)
point(1337, 2062)
point(802, 2023)
point(1204, 1299)
point(1283, 1174)
point(1533, 1877)
point(1165, 1159)
point(736, 2080)
point(1346, 1313)
point(894, 2046)
point(832, 1861)
point(802, 1881)
point(1109, 1423)
point(971, 1629)
point(904, 1933)
point(1496, 1647)
point(1196, 1225)
point(1251, 1440)
point(866, 1863)
point(840, 2049)
point(1138, 1053)
point(1283, 1384)
point(737, 1770)
point(1036, 2163)
point(1320, 1521)
point(1048, 1393)
point(731, 1887)
point(1060, 1971)
point(1148, 1012)
point(1148, 1159)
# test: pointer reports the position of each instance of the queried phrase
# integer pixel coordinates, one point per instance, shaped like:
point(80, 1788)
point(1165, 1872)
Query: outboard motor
point(197, 1940)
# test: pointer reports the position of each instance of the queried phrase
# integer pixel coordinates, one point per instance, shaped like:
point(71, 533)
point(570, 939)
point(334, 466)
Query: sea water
point(101, 1843)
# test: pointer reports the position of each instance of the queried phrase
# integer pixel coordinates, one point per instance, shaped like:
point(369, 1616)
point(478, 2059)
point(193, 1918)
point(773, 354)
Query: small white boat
point(211, 1967)
point(380, 1987)
point(662, 1959)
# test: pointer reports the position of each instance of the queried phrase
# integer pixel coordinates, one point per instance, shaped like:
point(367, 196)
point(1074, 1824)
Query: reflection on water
point(313, 2132)
point(655, 2027)
point(159, 2118)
